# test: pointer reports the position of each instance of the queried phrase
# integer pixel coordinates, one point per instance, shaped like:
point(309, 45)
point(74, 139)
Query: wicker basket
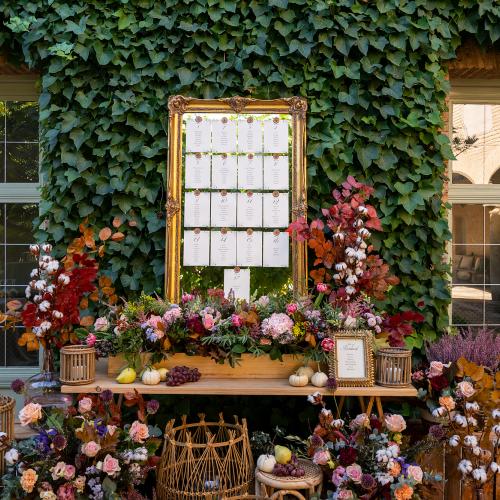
point(77, 365)
point(7, 405)
point(205, 460)
point(393, 367)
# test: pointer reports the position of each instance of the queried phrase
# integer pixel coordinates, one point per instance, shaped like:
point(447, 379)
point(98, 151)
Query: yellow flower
point(397, 437)
point(298, 329)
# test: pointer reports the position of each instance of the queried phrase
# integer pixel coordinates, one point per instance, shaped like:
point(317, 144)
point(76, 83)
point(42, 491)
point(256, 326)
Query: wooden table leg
point(380, 410)
point(361, 400)
point(370, 406)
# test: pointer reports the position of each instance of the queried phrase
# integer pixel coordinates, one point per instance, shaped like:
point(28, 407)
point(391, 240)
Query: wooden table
point(367, 396)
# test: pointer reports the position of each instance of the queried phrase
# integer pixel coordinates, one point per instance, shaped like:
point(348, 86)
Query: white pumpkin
point(163, 373)
point(266, 463)
point(306, 370)
point(150, 376)
point(298, 380)
point(319, 379)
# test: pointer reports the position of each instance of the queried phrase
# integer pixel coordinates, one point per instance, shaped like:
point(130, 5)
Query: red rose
point(347, 456)
point(439, 383)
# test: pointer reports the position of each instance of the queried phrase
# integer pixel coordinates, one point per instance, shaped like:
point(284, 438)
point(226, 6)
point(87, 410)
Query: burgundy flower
point(106, 396)
point(59, 442)
point(316, 441)
point(439, 383)
point(375, 423)
point(347, 456)
point(152, 406)
point(437, 432)
point(195, 325)
point(17, 386)
point(368, 482)
point(331, 383)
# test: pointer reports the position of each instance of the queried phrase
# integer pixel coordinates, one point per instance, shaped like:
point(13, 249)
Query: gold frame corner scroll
point(296, 107)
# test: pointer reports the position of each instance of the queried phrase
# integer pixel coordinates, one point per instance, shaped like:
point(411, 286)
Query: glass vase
point(44, 388)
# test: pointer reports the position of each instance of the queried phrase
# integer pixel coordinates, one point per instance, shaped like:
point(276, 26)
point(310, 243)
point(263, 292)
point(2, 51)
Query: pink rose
point(236, 320)
point(101, 324)
point(155, 322)
point(84, 405)
point(338, 476)
point(91, 449)
point(138, 432)
point(415, 472)
point(291, 308)
point(110, 465)
point(66, 492)
point(345, 495)
point(90, 340)
point(322, 288)
point(354, 473)
point(187, 297)
point(361, 420)
point(208, 321)
point(327, 344)
point(321, 457)
point(465, 389)
point(58, 470)
point(30, 414)
point(435, 369)
point(69, 472)
point(395, 423)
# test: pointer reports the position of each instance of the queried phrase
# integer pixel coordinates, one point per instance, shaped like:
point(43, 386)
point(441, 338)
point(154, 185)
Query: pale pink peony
point(138, 432)
point(84, 405)
point(395, 423)
point(30, 414)
point(415, 472)
point(354, 473)
point(321, 457)
point(465, 389)
point(101, 324)
point(155, 322)
point(91, 449)
point(436, 369)
point(110, 465)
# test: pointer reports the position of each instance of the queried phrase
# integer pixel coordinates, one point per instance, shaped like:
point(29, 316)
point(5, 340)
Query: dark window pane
point(468, 264)
point(492, 305)
point(19, 264)
point(22, 121)
point(18, 355)
point(467, 305)
point(22, 162)
point(3, 111)
point(2, 160)
point(20, 218)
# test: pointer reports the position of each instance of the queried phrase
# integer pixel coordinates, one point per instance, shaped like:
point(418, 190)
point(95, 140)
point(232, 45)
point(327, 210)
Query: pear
point(282, 454)
point(126, 376)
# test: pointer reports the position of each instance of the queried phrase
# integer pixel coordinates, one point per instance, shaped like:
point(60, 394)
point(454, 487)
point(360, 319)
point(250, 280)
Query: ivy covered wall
point(373, 72)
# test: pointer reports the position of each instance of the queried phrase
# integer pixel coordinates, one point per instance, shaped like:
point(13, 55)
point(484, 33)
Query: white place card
point(224, 135)
point(276, 172)
point(276, 249)
point(249, 135)
point(276, 135)
point(197, 171)
point(249, 248)
point(223, 209)
point(222, 248)
point(351, 359)
point(224, 171)
point(198, 135)
point(196, 209)
point(249, 209)
point(196, 248)
point(237, 282)
point(275, 209)
point(250, 172)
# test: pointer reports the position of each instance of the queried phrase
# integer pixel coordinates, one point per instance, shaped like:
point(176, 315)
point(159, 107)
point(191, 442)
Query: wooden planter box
point(249, 367)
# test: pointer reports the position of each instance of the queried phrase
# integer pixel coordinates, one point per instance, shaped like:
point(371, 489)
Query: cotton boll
point(496, 413)
point(44, 306)
point(470, 441)
point(438, 412)
point(454, 440)
point(479, 474)
point(476, 451)
point(465, 466)
point(460, 420)
point(341, 266)
point(494, 467)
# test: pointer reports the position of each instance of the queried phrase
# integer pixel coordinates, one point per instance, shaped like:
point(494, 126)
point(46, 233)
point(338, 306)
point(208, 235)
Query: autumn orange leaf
point(117, 222)
point(105, 281)
point(113, 299)
point(84, 303)
point(108, 290)
point(105, 233)
point(14, 305)
point(29, 340)
point(87, 321)
point(94, 296)
point(118, 236)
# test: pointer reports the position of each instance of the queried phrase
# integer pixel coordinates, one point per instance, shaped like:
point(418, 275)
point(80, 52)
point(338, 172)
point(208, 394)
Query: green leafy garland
point(372, 71)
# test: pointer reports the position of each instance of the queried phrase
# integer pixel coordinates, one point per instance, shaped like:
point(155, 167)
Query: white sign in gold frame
point(296, 107)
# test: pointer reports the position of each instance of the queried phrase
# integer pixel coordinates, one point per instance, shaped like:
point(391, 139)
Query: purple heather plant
point(481, 346)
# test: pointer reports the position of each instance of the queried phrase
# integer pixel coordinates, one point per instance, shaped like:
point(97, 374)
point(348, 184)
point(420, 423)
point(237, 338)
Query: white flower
point(393, 450)
point(44, 306)
point(336, 277)
point(326, 413)
point(494, 467)
point(350, 252)
point(350, 322)
point(439, 411)
point(52, 267)
point(496, 413)
point(338, 423)
point(27, 292)
point(341, 266)
point(37, 331)
point(465, 466)
point(34, 273)
point(476, 450)
point(472, 421)
point(45, 259)
point(11, 456)
point(350, 280)
point(63, 279)
point(479, 474)
point(40, 285)
point(384, 478)
point(454, 440)
point(57, 314)
point(45, 326)
point(382, 456)
point(364, 233)
point(471, 406)
point(51, 288)
point(350, 290)
point(34, 249)
point(362, 209)
point(313, 397)
point(470, 441)
point(37, 299)
point(47, 247)
point(460, 420)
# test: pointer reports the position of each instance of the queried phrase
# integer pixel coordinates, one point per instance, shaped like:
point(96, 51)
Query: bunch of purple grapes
point(292, 468)
point(179, 375)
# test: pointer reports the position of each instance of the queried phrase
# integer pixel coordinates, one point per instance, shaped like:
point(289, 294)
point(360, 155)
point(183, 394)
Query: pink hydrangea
point(277, 325)
point(155, 322)
point(172, 315)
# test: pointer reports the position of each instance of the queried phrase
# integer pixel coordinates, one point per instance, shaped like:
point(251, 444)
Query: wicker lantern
point(77, 365)
point(393, 367)
point(7, 405)
point(205, 460)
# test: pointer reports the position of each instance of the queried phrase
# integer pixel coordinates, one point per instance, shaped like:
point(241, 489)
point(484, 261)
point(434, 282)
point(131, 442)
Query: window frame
point(468, 91)
point(18, 88)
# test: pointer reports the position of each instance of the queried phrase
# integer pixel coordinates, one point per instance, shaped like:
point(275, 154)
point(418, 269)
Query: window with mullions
point(474, 195)
point(18, 173)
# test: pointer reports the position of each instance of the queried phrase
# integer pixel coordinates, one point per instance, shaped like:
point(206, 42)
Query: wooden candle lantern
point(7, 405)
point(77, 365)
point(393, 367)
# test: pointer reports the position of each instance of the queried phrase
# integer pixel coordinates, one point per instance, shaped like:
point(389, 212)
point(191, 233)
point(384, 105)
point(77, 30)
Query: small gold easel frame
point(296, 107)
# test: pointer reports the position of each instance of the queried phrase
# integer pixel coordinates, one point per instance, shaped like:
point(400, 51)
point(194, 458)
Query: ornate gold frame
point(367, 337)
point(177, 106)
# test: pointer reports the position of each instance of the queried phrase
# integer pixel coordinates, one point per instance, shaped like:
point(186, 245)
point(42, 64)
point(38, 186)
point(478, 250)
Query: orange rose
point(138, 432)
point(394, 468)
point(28, 480)
point(30, 414)
point(447, 402)
point(404, 492)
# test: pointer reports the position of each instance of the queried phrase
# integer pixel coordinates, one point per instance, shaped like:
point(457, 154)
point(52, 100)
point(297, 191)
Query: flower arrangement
point(83, 452)
point(366, 458)
point(347, 271)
